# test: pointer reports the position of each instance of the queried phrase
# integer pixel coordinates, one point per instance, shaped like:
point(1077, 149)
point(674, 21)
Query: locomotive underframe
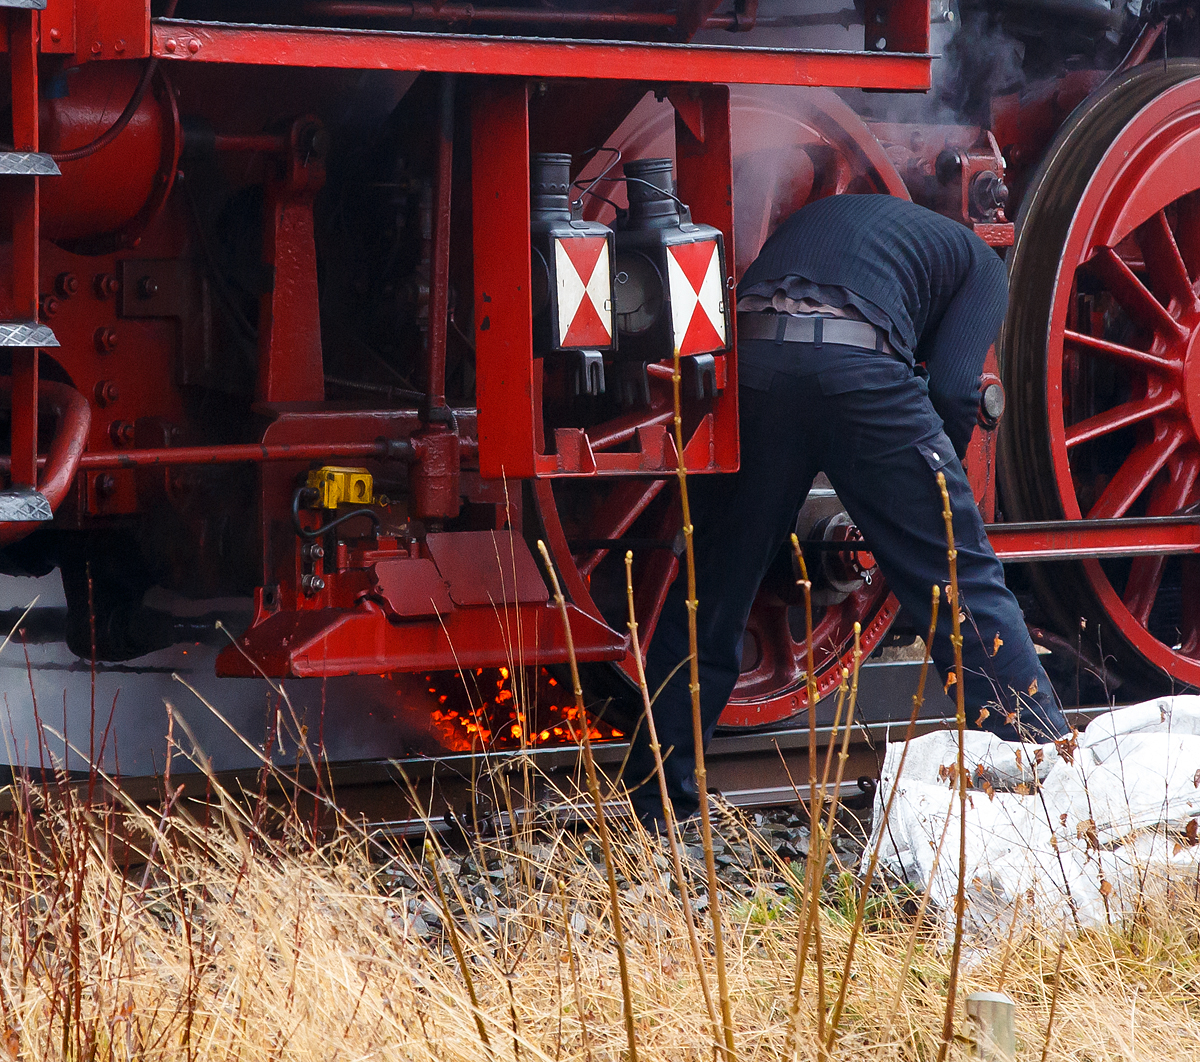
point(445, 578)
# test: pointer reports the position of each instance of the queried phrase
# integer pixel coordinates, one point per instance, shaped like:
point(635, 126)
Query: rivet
point(119, 47)
point(55, 35)
point(193, 46)
point(97, 47)
point(171, 44)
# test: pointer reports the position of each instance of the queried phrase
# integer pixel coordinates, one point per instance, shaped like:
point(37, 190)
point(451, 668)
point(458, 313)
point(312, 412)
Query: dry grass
point(232, 944)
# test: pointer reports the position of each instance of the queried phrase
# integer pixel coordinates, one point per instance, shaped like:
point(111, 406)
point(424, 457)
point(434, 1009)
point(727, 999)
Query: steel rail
point(750, 769)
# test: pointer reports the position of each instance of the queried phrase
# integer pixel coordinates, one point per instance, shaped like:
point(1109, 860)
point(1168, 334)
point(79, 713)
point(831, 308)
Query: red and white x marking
point(697, 297)
point(585, 305)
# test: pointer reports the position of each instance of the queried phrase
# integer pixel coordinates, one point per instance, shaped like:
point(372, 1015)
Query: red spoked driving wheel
point(1101, 358)
point(790, 146)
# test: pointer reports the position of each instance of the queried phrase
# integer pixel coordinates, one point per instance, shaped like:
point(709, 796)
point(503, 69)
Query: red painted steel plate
point(257, 45)
point(411, 588)
point(487, 568)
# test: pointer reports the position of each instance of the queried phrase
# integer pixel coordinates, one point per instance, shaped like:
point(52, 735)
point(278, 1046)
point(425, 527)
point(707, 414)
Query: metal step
point(26, 334)
point(27, 163)
point(24, 504)
point(25, 5)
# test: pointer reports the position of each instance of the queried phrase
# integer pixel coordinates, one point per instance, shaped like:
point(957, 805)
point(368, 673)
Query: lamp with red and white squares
point(583, 286)
point(695, 282)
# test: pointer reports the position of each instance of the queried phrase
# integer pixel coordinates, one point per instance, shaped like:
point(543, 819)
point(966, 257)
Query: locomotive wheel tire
point(1101, 361)
point(789, 145)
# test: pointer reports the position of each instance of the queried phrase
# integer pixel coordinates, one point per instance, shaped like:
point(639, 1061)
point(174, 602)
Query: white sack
point(1075, 840)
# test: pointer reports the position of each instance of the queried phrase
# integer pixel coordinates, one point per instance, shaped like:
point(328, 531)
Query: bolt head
point(106, 284)
point(97, 47)
point(66, 284)
point(106, 340)
point(147, 288)
point(121, 432)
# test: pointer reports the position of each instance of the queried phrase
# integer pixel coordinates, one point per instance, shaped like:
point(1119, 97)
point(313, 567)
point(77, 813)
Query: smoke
point(981, 61)
point(976, 59)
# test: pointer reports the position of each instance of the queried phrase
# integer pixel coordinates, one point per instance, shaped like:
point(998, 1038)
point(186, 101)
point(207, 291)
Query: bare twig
point(881, 828)
point(1062, 948)
point(583, 1029)
point(669, 809)
point(593, 783)
point(714, 906)
point(456, 945)
point(955, 604)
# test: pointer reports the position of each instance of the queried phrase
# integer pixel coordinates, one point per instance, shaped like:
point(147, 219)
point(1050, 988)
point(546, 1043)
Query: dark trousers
point(866, 420)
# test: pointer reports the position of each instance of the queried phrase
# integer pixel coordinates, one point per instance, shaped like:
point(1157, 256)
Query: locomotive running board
point(272, 45)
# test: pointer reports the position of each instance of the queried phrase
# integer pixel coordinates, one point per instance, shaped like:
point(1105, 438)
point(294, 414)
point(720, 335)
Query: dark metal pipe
point(468, 13)
point(250, 142)
point(239, 453)
point(439, 279)
point(471, 13)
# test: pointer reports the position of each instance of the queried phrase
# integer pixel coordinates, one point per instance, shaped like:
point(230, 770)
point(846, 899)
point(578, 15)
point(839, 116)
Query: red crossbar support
point(531, 57)
point(1083, 539)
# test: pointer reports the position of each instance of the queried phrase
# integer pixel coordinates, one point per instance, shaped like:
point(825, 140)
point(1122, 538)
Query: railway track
point(485, 791)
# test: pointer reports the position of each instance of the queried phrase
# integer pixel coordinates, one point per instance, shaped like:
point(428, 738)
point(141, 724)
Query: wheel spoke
point(1132, 294)
point(1121, 416)
point(780, 653)
point(1132, 355)
point(621, 429)
point(1134, 476)
point(1145, 573)
point(1189, 626)
point(1164, 262)
point(1145, 577)
point(1187, 232)
point(624, 505)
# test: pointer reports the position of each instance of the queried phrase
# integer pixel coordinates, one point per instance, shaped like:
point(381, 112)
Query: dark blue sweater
point(935, 286)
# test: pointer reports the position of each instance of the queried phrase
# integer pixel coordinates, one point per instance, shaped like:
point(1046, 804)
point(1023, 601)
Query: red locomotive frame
point(110, 312)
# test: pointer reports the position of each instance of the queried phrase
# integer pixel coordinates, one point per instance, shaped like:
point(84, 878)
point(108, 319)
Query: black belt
point(811, 328)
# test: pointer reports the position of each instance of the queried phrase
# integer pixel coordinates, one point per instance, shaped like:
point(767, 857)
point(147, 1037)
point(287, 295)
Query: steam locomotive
point(318, 314)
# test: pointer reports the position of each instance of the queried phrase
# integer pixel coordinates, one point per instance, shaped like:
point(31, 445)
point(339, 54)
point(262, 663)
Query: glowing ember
point(495, 709)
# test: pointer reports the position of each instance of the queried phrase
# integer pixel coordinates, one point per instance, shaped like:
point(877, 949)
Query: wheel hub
point(1191, 379)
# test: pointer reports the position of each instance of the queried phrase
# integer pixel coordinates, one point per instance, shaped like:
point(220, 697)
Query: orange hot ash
point(495, 709)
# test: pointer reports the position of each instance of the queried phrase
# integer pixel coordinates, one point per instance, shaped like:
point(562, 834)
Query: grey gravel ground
point(756, 854)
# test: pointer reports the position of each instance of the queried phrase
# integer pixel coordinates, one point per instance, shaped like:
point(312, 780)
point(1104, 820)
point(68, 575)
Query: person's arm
point(955, 351)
